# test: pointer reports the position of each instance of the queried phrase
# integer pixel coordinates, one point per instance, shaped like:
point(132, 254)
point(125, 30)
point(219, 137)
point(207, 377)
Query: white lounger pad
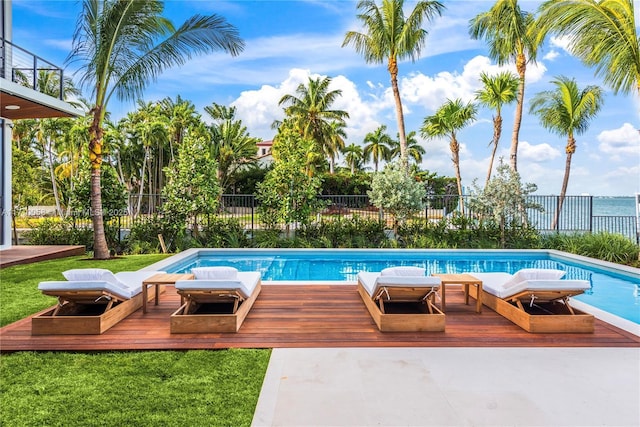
point(492, 283)
point(130, 284)
point(373, 281)
point(245, 284)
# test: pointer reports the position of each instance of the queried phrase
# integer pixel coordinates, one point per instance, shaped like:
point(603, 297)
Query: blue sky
point(288, 41)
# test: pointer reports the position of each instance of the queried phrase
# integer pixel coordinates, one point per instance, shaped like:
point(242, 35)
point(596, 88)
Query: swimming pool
point(614, 289)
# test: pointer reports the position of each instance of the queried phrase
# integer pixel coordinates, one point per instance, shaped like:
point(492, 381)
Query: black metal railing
point(577, 214)
point(26, 68)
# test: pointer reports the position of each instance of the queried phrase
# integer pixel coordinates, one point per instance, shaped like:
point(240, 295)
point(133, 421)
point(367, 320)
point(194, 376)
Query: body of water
point(614, 206)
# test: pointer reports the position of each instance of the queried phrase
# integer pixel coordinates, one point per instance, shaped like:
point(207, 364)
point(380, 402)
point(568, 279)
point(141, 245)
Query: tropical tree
point(415, 151)
point(447, 121)
point(396, 192)
point(311, 113)
point(353, 157)
point(122, 45)
point(511, 35)
point(378, 146)
point(335, 143)
point(390, 36)
point(231, 145)
point(182, 116)
point(603, 34)
point(500, 89)
point(288, 194)
point(567, 110)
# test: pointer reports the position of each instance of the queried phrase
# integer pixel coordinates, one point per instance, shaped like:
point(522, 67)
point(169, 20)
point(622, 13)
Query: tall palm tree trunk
point(455, 157)
point(497, 132)
point(393, 70)
point(52, 175)
point(100, 248)
point(571, 144)
point(521, 64)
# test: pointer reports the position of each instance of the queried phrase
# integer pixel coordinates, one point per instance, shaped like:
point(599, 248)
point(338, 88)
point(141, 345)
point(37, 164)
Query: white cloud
point(537, 153)
point(259, 108)
point(621, 142)
point(562, 42)
point(551, 55)
point(431, 92)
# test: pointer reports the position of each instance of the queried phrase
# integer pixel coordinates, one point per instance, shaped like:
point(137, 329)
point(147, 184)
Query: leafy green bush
point(223, 233)
point(56, 232)
point(605, 246)
point(353, 232)
point(143, 237)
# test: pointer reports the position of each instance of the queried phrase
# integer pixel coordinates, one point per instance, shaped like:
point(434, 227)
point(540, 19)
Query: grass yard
point(159, 388)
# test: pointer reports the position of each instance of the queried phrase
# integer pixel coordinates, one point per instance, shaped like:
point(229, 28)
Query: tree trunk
point(100, 248)
point(54, 185)
point(393, 70)
point(497, 132)
point(455, 157)
point(571, 144)
point(521, 65)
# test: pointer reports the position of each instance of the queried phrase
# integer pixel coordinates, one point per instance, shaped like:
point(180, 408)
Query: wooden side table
point(461, 279)
point(160, 279)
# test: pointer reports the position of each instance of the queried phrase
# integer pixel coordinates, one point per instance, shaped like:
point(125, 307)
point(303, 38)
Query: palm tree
point(182, 117)
point(447, 121)
point(511, 35)
point(311, 113)
point(231, 144)
point(603, 34)
point(335, 143)
point(567, 110)
point(391, 37)
point(353, 157)
point(415, 151)
point(498, 90)
point(122, 45)
point(378, 146)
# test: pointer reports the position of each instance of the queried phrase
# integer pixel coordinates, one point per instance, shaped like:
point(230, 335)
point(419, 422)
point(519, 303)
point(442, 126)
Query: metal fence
point(577, 214)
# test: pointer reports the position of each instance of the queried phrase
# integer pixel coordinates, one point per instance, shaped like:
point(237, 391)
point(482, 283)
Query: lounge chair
point(401, 299)
point(218, 300)
point(537, 300)
point(91, 301)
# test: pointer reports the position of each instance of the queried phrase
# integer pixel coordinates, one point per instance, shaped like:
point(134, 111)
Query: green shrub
point(605, 246)
point(223, 233)
point(143, 237)
point(56, 232)
point(353, 232)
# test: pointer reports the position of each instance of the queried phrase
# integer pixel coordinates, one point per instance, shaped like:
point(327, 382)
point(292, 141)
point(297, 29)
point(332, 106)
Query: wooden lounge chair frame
point(560, 317)
point(184, 321)
point(66, 317)
point(433, 320)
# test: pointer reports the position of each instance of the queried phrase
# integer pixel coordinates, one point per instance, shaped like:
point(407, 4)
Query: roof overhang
point(26, 103)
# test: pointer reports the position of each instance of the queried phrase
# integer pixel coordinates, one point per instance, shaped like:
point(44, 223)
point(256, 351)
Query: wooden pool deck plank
point(309, 316)
point(26, 254)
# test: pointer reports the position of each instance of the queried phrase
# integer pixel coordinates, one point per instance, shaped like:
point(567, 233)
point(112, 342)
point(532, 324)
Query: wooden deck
point(26, 254)
point(310, 316)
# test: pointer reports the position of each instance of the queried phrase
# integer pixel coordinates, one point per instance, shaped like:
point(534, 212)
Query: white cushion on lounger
point(127, 284)
point(245, 284)
point(403, 271)
point(215, 273)
point(83, 274)
point(494, 283)
point(533, 274)
point(372, 282)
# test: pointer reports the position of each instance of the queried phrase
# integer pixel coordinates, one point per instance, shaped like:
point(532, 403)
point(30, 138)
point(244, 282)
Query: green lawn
point(159, 388)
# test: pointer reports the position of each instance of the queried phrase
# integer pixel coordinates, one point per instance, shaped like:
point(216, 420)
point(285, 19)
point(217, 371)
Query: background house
point(18, 101)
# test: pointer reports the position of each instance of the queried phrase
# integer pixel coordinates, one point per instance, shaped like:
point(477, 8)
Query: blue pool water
point(616, 292)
